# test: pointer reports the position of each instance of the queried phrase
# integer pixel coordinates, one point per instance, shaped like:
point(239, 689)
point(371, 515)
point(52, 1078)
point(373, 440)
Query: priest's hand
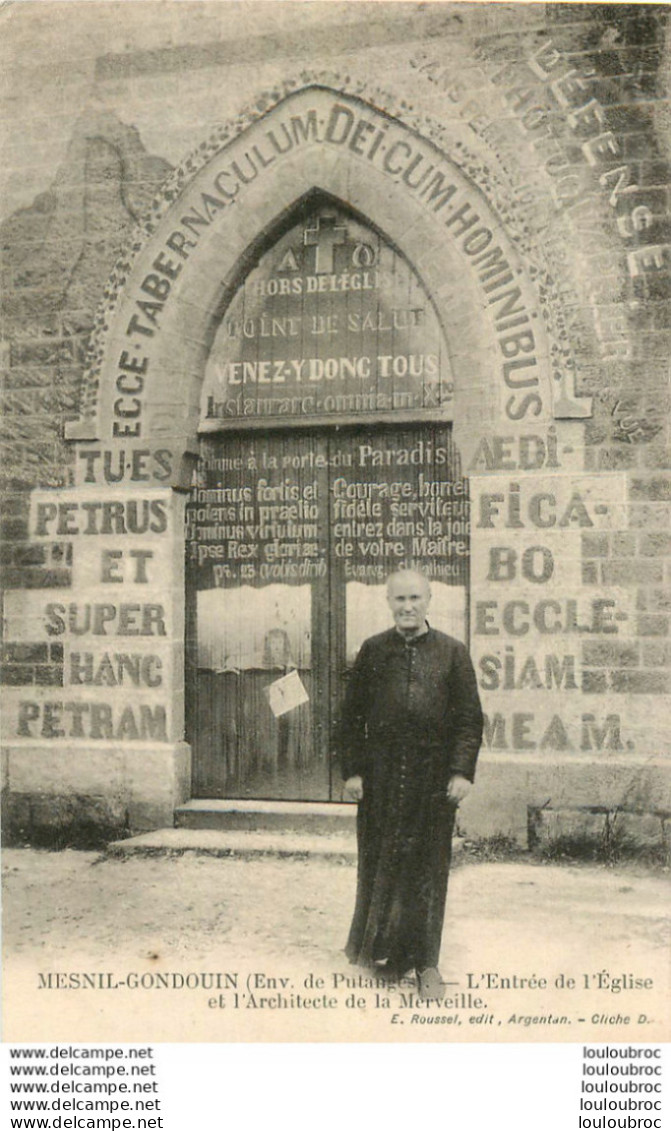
point(353, 788)
point(457, 788)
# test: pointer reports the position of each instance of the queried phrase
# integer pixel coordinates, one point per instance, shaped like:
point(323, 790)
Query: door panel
point(257, 559)
point(290, 541)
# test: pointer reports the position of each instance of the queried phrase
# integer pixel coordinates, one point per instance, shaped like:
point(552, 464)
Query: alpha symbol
point(325, 238)
point(289, 261)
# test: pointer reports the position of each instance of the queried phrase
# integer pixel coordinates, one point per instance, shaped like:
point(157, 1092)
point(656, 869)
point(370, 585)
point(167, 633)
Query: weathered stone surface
point(554, 123)
point(58, 253)
point(88, 797)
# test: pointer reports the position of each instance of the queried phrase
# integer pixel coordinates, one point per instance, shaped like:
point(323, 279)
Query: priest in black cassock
point(408, 741)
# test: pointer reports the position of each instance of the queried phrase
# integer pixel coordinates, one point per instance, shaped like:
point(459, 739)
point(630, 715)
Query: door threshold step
point(316, 817)
point(245, 845)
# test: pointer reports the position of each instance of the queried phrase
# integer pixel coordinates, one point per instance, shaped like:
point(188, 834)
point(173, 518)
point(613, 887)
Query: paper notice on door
point(286, 693)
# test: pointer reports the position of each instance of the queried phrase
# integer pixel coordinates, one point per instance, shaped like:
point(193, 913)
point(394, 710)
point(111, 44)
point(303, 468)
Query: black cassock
point(410, 721)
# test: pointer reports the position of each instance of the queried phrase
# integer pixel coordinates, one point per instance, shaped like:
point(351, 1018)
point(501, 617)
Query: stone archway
point(157, 324)
point(137, 436)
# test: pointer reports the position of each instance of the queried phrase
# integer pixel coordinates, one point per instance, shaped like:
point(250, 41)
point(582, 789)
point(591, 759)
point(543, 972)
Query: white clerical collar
point(416, 635)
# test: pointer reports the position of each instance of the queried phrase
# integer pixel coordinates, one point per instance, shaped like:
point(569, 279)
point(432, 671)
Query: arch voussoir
point(164, 319)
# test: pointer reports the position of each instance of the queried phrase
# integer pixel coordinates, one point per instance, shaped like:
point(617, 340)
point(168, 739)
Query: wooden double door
point(290, 539)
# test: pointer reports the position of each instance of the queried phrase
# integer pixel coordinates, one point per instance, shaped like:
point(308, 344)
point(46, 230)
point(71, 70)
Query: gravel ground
point(74, 911)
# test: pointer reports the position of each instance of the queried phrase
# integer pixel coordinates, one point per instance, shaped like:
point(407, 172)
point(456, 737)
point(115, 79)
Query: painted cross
point(325, 238)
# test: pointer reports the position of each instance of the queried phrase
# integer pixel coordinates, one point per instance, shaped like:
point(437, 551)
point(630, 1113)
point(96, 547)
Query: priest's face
point(408, 596)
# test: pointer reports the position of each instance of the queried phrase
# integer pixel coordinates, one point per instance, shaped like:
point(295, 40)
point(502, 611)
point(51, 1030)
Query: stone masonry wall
point(560, 115)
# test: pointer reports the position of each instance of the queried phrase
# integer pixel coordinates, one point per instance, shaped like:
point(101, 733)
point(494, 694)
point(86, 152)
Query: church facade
point(295, 298)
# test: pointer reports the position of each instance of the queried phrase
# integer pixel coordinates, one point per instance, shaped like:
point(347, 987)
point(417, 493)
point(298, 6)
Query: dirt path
point(73, 911)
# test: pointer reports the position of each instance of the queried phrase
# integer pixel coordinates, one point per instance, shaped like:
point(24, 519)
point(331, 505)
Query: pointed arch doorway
point(326, 462)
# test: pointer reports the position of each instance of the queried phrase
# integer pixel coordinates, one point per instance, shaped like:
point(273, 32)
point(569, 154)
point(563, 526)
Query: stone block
point(640, 682)
point(607, 834)
point(58, 821)
point(590, 574)
point(16, 818)
point(658, 600)
point(49, 675)
point(582, 828)
point(635, 831)
point(25, 555)
point(657, 654)
point(655, 545)
point(624, 545)
point(41, 769)
point(508, 787)
point(594, 682)
point(656, 625)
point(653, 489)
point(632, 573)
point(595, 545)
point(25, 653)
point(76, 795)
point(616, 459)
point(495, 807)
point(156, 780)
point(609, 654)
point(17, 675)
